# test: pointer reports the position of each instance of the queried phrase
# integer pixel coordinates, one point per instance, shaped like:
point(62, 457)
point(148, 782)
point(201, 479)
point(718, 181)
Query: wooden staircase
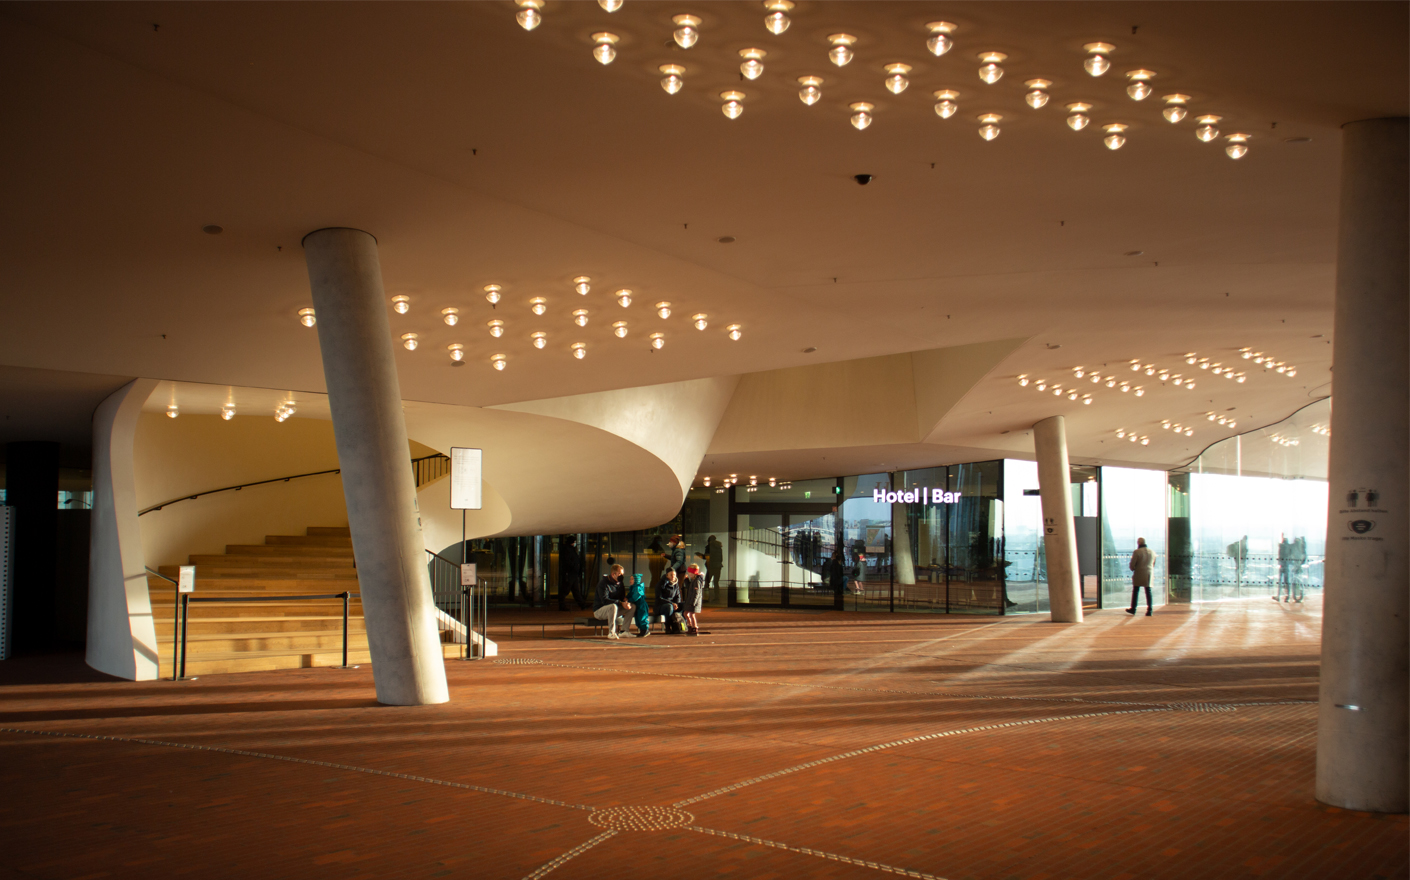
point(239, 637)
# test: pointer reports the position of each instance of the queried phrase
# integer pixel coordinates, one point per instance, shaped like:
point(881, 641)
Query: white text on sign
point(923, 495)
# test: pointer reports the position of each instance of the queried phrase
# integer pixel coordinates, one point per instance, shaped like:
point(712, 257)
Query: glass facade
point(1133, 505)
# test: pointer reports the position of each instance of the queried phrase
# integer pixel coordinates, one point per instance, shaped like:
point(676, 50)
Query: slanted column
point(1059, 533)
point(1362, 733)
point(361, 373)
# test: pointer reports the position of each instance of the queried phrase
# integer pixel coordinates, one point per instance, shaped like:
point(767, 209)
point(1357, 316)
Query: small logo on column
point(1361, 526)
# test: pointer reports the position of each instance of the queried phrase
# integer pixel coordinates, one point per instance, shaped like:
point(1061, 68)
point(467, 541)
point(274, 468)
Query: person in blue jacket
point(636, 594)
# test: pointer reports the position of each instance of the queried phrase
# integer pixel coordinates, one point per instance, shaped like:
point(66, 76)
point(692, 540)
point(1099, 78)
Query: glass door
point(811, 576)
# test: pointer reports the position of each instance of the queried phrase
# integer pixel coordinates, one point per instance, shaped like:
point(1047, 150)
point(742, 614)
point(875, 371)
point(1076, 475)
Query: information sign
point(186, 580)
point(467, 574)
point(465, 465)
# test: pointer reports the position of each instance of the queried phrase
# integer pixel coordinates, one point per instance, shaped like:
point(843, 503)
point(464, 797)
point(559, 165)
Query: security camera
point(862, 179)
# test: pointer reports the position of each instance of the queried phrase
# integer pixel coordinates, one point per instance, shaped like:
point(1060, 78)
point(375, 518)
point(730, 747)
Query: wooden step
point(308, 540)
point(270, 643)
point(263, 623)
point(213, 664)
point(289, 551)
point(294, 560)
point(329, 532)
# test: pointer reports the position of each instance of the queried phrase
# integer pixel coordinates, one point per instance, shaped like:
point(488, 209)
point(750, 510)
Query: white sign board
point(186, 580)
point(467, 574)
point(465, 478)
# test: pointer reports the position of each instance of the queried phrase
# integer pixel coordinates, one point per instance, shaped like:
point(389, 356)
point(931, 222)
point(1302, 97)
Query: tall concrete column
point(360, 369)
point(32, 483)
point(902, 559)
point(1362, 731)
point(1059, 533)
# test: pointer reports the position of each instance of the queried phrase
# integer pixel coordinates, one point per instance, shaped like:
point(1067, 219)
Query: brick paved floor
point(780, 745)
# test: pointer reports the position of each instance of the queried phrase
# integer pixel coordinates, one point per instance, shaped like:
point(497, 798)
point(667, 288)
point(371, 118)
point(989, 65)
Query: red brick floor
point(780, 745)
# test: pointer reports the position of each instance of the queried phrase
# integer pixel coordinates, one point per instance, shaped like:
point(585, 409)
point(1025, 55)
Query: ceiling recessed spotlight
point(172, 411)
point(1023, 379)
point(538, 305)
point(1207, 130)
point(579, 350)
point(409, 341)
point(619, 329)
point(1077, 118)
point(1037, 96)
point(450, 316)
point(498, 361)
point(624, 297)
point(939, 42)
point(777, 20)
point(539, 338)
point(1140, 87)
point(492, 293)
point(658, 340)
point(672, 80)
point(663, 309)
point(401, 304)
point(610, 5)
point(753, 66)
point(580, 317)
point(1238, 145)
point(841, 52)
point(457, 352)
point(1098, 63)
point(307, 317)
point(990, 128)
point(861, 115)
point(580, 284)
point(810, 94)
point(990, 71)
point(604, 52)
point(945, 105)
point(1114, 139)
point(529, 17)
point(686, 34)
point(1175, 109)
point(733, 106)
point(734, 331)
point(496, 328)
point(227, 411)
point(896, 81)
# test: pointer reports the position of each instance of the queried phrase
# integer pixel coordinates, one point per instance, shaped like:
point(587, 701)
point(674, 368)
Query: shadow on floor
point(57, 667)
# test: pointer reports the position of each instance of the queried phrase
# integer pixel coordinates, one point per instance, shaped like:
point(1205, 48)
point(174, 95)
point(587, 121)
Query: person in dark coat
point(675, 557)
point(1141, 565)
point(668, 601)
point(611, 604)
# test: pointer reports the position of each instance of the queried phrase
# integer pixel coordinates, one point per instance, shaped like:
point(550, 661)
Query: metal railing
point(469, 605)
point(187, 599)
point(175, 617)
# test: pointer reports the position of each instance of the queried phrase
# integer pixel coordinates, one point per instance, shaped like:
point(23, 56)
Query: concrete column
point(1362, 733)
point(902, 559)
point(1059, 534)
point(32, 484)
point(390, 552)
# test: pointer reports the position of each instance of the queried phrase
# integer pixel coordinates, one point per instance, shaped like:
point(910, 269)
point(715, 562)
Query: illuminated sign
point(923, 495)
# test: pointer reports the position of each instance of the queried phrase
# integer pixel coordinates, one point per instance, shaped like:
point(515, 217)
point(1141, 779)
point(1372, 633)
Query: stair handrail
point(187, 599)
point(193, 497)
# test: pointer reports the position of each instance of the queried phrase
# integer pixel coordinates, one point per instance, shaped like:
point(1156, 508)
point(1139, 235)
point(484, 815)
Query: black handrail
point(175, 617)
point(187, 599)
point(414, 463)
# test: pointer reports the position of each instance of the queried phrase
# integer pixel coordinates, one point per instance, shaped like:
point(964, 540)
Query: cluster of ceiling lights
point(733, 479)
point(1109, 381)
point(282, 410)
point(582, 285)
point(1058, 390)
point(1323, 430)
point(1268, 362)
point(1177, 427)
point(1162, 374)
point(1284, 441)
point(896, 80)
point(1226, 421)
point(1192, 358)
point(1132, 436)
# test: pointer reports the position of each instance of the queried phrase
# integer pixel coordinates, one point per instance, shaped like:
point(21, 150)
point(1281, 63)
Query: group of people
point(680, 594)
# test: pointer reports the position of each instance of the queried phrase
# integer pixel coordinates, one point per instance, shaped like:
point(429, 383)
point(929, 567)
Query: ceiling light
point(1140, 392)
point(401, 304)
point(1098, 63)
point(1238, 145)
point(897, 83)
point(1087, 400)
point(306, 317)
point(671, 82)
point(777, 20)
point(685, 34)
point(538, 305)
point(1041, 385)
point(580, 284)
point(172, 411)
point(989, 130)
point(496, 328)
point(841, 52)
point(663, 309)
point(579, 350)
point(624, 297)
point(604, 52)
point(619, 329)
point(1121, 433)
point(498, 361)
point(409, 341)
point(540, 339)
point(810, 94)
point(991, 72)
point(227, 411)
point(1189, 386)
point(1145, 441)
point(732, 106)
point(707, 482)
point(610, 5)
point(1207, 131)
point(1110, 382)
point(528, 16)
point(1096, 377)
point(1078, 372)
point(658, 340)
point(753, 66)
point(580, 317)
point(1023, 379)
point(700, 321)
point(1125, 386)
point(735, 331)
point(939, 42)
point(1037, 97)
point(861, 115)
point(492, 293)
point(945, 106)
point(457, 352)
point(450, 316)
point(1190, 358)
point(1150, 369)
point(1078, 120)
point(1140, 87)
point(1175, 111)
point(1114, 139)
point(1071, 395)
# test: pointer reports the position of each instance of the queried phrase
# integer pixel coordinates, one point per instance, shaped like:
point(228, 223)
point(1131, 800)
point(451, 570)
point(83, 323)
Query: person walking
point(1142, 561)
point(692, 598)
point(611, 604)
point(668, 601)
point(636, 595)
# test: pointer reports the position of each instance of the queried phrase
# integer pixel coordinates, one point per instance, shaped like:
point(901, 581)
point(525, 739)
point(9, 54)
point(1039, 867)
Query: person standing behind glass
point(1142, 561)
point(1285, 550)
point(714, 557)
point(676, 558)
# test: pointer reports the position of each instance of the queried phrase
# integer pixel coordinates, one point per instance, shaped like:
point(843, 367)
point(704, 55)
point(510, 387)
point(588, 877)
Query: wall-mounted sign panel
point(468, 576)
point(186, 579)
point(465, 473)
point(923, 495)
